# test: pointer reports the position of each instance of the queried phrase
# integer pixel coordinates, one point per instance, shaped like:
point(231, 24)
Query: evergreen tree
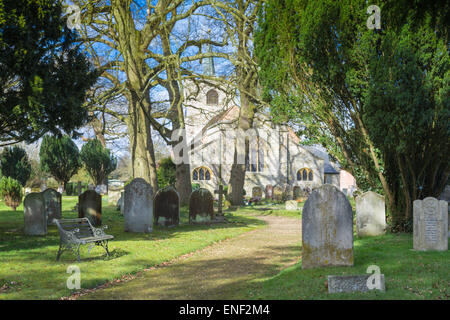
point(14, 163)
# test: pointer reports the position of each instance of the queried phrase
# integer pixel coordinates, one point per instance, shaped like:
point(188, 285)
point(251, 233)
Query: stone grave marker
point(278, 193)
point(370, 214)
point(35, 219)
point(53, 205)
point(327, 229)
point(353, 283)
point(297, 193)
point(269, 192)
point(201, 206)
point(257, 192)
point(289, 192)
point(430, 228)
point(167, 207)
point(291, 205)
point(138, 207)
point(90, 206)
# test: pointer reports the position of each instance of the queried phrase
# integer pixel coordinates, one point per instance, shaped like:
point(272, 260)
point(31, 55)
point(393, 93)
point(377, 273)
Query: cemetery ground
point(253, 263)
point(28, 266)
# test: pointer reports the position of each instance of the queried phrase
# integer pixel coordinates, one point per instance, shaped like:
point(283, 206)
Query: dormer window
point(212, 98)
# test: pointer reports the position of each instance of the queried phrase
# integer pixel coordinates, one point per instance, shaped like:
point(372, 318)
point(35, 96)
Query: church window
point(305, 174)
point(254, 161)
point(212, 98)
point(201, 173)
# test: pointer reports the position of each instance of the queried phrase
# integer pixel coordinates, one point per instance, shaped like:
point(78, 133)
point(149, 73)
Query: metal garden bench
point(76, 232)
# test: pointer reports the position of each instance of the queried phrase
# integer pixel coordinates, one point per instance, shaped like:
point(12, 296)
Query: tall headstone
point(90, 206)
point(430, 224)
point(289, 192)
point(269, 192)
point(327, 229)
point(370, 214)
point(138, 207)
point(201, 206)
point(53, 205)
point(167, 207)
point(278, 193)
point(34, 214)
point(297, 192)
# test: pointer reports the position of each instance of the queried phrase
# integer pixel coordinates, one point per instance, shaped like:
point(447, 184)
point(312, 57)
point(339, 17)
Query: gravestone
point(370, 214)
point(138, 207)
point(269, 192)
point(201, 209)
point(220, 217)
point(430, 224)
point(327, 229)
point(445, 195)
point(278, 193)
point(90, 206)
point(114, 196)
point(35, 219)
point(257, 192)
point(289, 192)
point(353, 283)
point(291, 205)
point(53, 205)
point(297, 193)
point(167, 207)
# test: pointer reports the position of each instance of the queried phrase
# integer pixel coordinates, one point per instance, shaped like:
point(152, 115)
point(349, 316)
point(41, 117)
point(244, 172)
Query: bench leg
point(60, 250)
point(106, 248)
point(78, 253)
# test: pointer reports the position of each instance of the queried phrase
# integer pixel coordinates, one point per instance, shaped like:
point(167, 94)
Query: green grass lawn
point(28, 269)
point(409, 274)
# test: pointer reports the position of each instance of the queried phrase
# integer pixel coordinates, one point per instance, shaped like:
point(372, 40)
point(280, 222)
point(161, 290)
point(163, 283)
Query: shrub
point(11, 192)
point(14, 163)
point(98, 161)
point(166, 173)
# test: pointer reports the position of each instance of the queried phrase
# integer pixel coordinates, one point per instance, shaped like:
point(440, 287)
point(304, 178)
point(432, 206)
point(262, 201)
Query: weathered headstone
point(291, 205)
point(430, 224)
point(278, 193)
point(327, 229)
point(219, 217)
point(269, 192)
point(257, 192)
point(370, 214)
point(289, 192)
point(90, 206)
point(34, 214)
point(53, 205)
point(201, 206)
point(297, 192)
point(138, 207)
point(167, 207)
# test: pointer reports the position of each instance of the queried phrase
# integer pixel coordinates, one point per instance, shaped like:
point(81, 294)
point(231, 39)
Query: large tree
point(43, 76)
point(377, 99)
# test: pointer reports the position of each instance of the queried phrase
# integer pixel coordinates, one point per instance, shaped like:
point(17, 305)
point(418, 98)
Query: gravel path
point(225, 270)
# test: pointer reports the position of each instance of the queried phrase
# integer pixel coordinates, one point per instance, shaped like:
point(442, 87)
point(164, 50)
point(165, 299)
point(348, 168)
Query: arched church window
point(254, 160)
point(305, 174)
point(212, 98)
point(201, 173)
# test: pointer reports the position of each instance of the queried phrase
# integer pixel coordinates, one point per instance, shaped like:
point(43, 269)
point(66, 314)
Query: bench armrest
point(98, 232)
point(69, 236)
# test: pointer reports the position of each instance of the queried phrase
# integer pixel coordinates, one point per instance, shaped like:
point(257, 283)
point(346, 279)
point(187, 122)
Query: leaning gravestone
point(201, 208)
point(53, 205)
point(297, 192)
point(138, 207)
point(430, 224)
point(289, 192)
point(34, 214)
point(90, 206)
point(167, 207)
point(370, 214)
point(327, 229)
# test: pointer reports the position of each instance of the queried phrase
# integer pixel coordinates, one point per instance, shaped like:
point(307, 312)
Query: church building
point(276, 157)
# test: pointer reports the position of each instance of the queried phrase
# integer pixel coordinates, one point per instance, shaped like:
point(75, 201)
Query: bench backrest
point(82, 224)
